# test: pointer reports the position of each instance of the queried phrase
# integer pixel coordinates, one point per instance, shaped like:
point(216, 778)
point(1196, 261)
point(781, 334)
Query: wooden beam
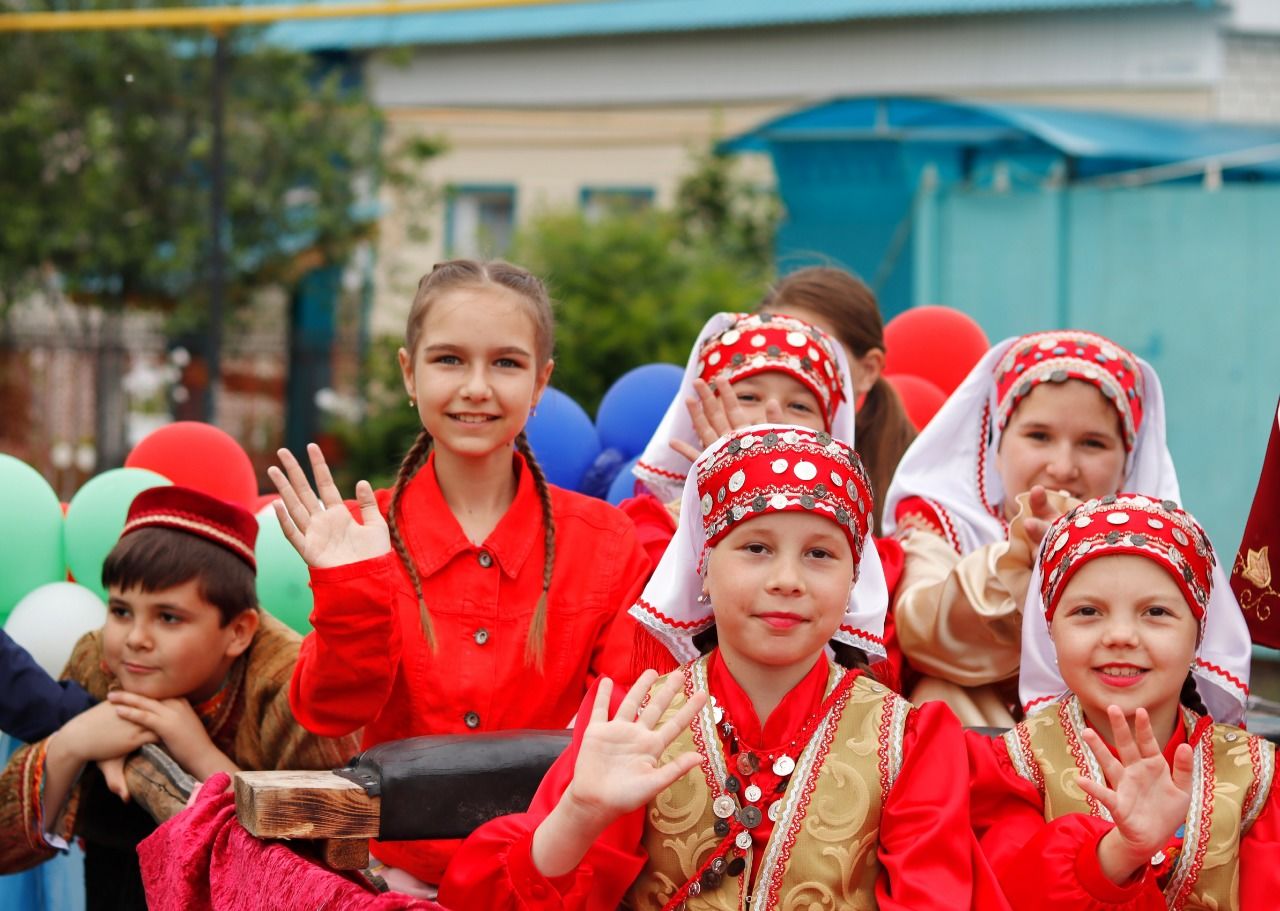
point(305, 805)
point(157, 783)
point(223, 17)
point(345, 853)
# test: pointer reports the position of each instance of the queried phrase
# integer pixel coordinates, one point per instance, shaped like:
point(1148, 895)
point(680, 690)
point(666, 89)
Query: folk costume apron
point(826, 823)
point(1231, 780)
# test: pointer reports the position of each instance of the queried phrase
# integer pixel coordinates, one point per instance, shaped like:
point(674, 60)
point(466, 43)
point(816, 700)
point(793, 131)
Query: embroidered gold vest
point(822, 852)
point(1231, 780)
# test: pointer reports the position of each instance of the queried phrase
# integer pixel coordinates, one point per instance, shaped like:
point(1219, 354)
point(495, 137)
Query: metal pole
point(217, 206)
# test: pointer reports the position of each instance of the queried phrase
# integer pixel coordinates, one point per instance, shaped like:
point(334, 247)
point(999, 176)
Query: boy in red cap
point(186, 659)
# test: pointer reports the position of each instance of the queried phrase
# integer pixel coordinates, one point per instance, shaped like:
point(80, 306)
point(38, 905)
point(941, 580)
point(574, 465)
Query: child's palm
point(1147, 800)
point(619, 766)
point(317, 522)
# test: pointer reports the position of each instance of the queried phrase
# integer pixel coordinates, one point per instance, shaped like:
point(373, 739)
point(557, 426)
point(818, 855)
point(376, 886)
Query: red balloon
point(921, 398)
point(934, 343)
point(199, 456)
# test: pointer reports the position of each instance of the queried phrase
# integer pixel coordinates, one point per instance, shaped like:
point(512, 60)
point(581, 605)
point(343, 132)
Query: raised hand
point(715, 413)
point(1147, 800)
point(1043, 514)
point(317, 523)
point(619, 768)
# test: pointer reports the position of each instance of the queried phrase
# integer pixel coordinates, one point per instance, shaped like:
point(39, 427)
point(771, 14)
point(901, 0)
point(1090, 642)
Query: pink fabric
point(203, 859)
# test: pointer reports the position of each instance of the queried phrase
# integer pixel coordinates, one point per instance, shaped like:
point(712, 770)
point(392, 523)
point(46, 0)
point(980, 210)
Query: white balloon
point(49, 621)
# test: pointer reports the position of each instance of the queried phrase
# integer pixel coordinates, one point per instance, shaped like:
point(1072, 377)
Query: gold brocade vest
point(822, 851)
point(1231, 780)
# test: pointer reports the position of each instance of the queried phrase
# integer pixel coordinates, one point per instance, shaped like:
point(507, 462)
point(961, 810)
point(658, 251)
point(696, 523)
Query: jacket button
point(482, 636)
point(485, 558)
point(471, 720)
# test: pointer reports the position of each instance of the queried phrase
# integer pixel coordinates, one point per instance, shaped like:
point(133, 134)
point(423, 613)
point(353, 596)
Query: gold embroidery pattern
point(1232, 775)
point(822, 851)
point(1262, 754)
point(1255, 568)
point(1195, 841)
point(1086, 763)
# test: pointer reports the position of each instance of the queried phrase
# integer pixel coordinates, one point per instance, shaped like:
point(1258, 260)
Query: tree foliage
point(105, 147)
point(635, 287)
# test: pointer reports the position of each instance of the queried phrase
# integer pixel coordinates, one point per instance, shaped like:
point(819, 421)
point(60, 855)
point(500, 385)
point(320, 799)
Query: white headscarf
point(1222, 658)
point(951, 464)
point(670, 607)
point(662, 469)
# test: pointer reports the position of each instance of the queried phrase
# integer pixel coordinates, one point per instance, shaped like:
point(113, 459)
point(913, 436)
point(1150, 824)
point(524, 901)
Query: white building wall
point(1250, 86)
point(1156, 49)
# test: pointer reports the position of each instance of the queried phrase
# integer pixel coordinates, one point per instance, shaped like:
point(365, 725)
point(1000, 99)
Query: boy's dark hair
point(153, 559)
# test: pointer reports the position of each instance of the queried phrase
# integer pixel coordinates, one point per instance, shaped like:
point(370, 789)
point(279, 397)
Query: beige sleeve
point(960, 618)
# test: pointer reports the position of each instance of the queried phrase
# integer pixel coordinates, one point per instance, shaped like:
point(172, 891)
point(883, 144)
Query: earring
point(413, 403)
point(704, 598)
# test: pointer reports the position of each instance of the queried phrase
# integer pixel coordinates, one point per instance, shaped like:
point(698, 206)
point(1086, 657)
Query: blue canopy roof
point(1099, 141)
point(619, 17)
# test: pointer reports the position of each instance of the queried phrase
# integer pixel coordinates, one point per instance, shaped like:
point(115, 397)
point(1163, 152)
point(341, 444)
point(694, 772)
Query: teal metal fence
point(1186, 277)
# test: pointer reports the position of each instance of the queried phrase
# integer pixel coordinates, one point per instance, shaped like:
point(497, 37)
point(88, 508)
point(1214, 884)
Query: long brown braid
point(414, 459)
point(535, 646)
point(449, 276)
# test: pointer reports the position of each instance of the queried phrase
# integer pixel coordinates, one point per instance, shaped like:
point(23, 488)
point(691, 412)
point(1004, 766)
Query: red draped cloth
point(1255, 575)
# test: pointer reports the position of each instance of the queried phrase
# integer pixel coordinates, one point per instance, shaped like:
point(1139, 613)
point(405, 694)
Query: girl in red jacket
point(473, 595)
point(762, 774)
point(1119, 790)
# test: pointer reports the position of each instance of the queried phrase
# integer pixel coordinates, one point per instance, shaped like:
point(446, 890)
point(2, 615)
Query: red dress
point(368, 665)
point(926, 850)
point(1055, 864)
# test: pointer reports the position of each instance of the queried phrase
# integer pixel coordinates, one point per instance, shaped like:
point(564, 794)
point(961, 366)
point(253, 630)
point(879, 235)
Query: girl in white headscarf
point(1042, 422)
point(743, 369)
point(1119, 790)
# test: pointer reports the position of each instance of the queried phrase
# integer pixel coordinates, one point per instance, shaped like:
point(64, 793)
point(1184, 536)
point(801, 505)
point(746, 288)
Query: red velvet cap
point(197, 513)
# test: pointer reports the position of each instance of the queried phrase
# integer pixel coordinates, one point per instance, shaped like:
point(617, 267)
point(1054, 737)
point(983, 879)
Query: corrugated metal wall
point(1187, 278)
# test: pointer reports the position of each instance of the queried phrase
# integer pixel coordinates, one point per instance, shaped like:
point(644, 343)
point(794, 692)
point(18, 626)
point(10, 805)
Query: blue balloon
point(624, 483)
point(633, 407)
point(563, 438)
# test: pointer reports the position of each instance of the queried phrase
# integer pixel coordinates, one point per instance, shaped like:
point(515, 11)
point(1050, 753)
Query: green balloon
point(284, 582)
point(96, 517)
point(31, 517)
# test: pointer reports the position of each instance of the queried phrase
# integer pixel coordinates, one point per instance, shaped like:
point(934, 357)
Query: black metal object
point(446, 786)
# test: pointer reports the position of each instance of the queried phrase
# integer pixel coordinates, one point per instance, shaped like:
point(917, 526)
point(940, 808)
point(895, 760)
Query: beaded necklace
point(738, 811)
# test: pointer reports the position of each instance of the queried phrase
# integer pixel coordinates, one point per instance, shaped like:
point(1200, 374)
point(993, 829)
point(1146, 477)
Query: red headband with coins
point(1128, 523)
point(196, 513)
point(769, 343)
point(784, 469)
point(1055, 357)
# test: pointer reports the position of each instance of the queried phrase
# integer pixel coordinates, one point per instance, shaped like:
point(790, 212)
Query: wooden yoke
point(157, 783)
point(311, 805)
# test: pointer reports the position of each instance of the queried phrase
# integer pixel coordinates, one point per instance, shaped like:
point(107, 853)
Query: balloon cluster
point(51, 589)
point(596, 459)
point(928, 353)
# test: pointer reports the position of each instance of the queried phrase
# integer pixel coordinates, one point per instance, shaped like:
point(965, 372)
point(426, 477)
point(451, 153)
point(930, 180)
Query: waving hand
point(317, 522)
